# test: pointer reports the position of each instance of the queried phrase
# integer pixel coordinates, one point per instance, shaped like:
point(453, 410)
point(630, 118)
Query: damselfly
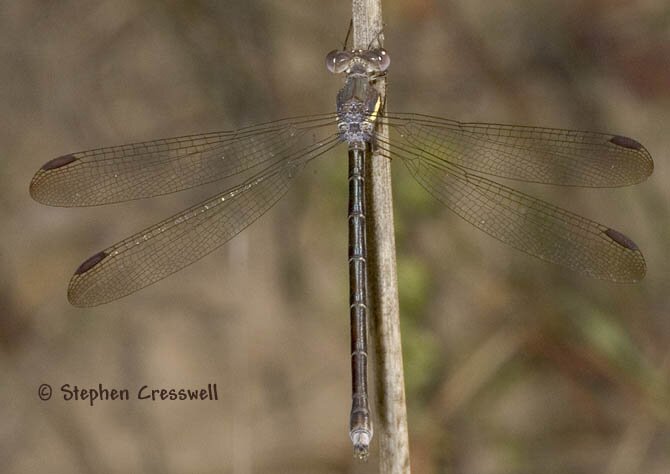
point(453, 161)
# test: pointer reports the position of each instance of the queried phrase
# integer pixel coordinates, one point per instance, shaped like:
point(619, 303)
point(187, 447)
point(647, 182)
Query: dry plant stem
point(391, 427)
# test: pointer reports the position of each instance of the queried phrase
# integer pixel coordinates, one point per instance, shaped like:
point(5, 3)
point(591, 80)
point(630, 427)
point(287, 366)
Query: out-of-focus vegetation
point(512, 365)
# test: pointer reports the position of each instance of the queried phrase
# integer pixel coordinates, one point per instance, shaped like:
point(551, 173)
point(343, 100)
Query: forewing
point(534, 154)
point(153, 168)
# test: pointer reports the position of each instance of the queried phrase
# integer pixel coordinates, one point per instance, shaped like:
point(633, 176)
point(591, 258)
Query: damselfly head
point(370, 61)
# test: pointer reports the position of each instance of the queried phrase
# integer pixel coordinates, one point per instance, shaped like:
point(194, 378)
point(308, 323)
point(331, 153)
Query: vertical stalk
point(391, 411)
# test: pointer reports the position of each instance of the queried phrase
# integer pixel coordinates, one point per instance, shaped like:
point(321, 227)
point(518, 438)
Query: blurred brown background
point(512, 365)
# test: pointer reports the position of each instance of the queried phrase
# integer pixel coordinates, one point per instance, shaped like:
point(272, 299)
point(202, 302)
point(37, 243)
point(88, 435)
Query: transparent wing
point(526, 223)
point(534, 154)
point(184, 238)
point(152, 168)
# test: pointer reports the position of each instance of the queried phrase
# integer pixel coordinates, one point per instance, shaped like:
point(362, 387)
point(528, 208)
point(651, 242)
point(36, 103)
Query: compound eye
point(378, 59)
point(338, 61)
point(384, 59)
